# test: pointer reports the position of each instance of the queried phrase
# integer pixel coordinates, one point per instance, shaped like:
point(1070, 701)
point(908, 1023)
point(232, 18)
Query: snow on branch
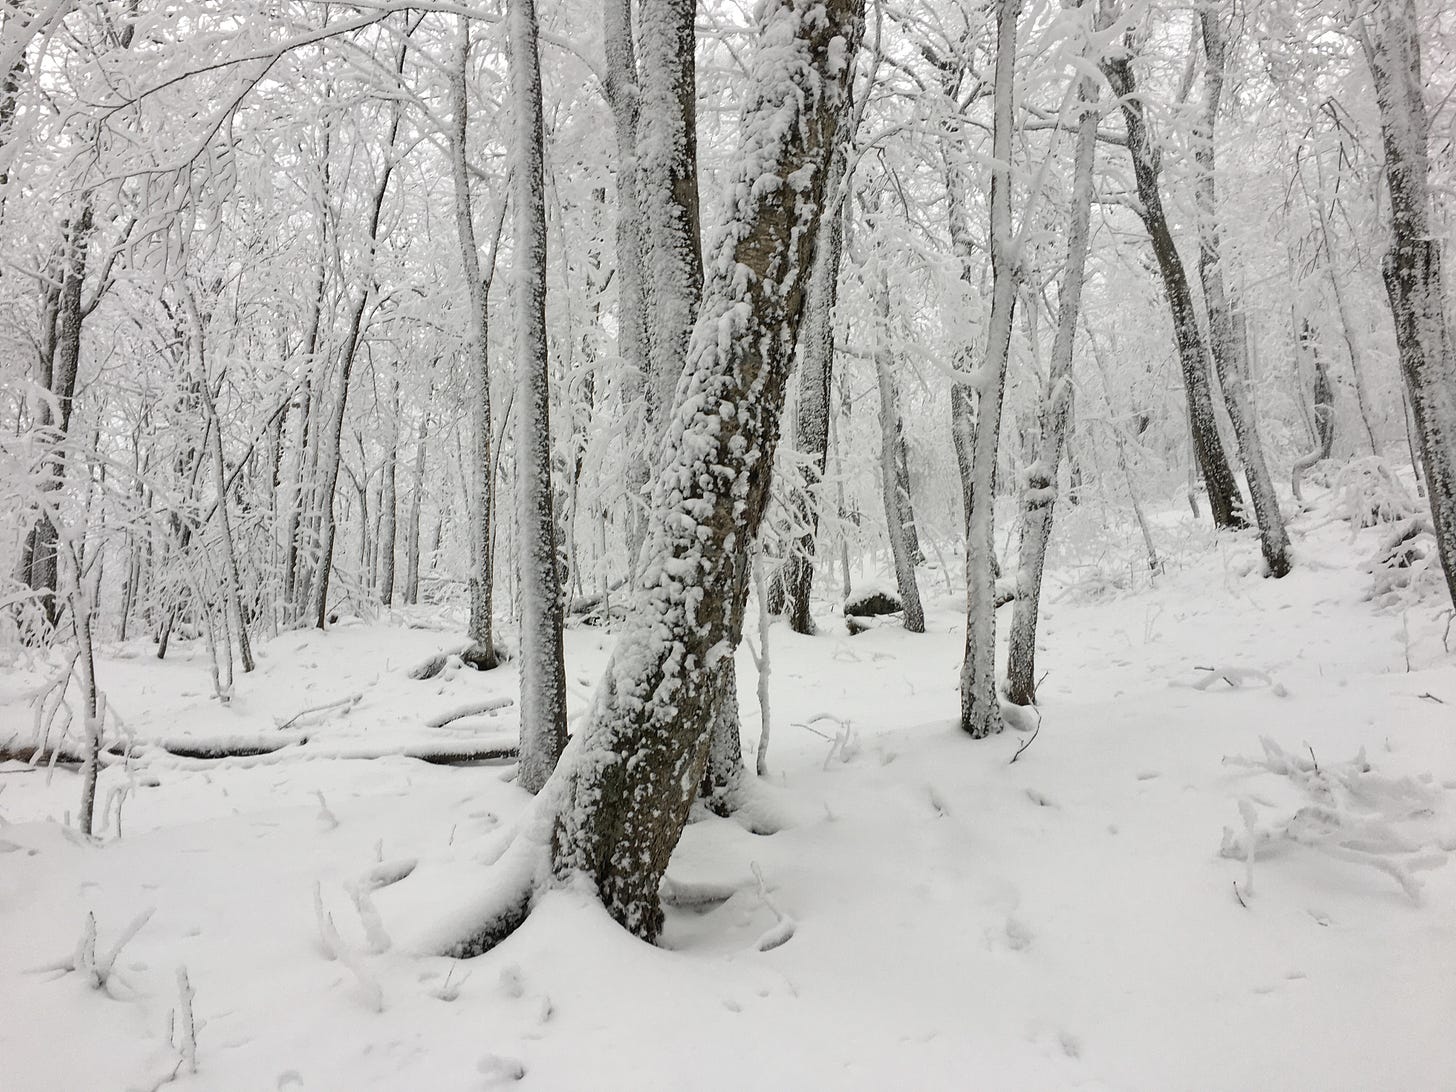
point(1350, 813)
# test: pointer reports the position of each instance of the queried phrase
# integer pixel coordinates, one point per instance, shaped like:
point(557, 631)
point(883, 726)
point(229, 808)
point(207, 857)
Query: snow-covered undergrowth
point(928, 914)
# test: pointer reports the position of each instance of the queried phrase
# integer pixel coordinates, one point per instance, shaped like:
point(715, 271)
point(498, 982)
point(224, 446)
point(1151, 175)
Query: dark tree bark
point(1223, 488)
point(617, 805)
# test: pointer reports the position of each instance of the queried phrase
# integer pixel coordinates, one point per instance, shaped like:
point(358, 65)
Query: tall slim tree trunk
point(417, 491)
point(331, 453)
point(811, 426)
point(60, 363)
point(980, 707)
point(901, 548)
point(623, 99)
point(543, 671)
point(480, 480)
point(1324, 411)
point(1412, 267)
point(1039, 500)
point(1223, 488)
point(1226, 347)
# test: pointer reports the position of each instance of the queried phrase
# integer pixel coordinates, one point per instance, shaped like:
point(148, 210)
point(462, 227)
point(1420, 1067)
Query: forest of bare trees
point(514, 321)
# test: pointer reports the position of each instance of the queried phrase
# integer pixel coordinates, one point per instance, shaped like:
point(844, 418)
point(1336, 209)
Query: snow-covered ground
point(915, 912)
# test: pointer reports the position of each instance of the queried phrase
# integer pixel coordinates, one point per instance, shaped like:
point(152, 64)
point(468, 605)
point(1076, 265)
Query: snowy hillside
point(896, 906)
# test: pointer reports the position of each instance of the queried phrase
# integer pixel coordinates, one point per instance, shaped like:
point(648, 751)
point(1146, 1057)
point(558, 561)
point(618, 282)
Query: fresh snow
point(927, 914)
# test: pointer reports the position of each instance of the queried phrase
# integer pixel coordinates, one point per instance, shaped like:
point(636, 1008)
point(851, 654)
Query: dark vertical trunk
point(1223, 489)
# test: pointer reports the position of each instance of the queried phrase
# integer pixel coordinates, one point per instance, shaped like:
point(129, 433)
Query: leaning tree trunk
point(412, 521)
point(980, 708)
point(543, 671)
point(618, 804)
point(480, 483)
point(1412, 267)
point(1041, 486)
point(388, 500)
point(1223, 488)
point(1273, 538)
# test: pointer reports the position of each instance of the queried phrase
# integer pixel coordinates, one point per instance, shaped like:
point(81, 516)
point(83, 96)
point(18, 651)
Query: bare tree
point(1391, 40)
point(980, 707)
point(1040, 497)
point(618, 803)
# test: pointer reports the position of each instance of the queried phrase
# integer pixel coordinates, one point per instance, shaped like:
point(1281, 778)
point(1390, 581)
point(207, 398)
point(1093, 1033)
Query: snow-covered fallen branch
point(1351, 814)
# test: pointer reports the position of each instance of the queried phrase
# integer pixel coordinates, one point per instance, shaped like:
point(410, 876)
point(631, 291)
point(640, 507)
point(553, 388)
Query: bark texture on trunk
point(1228, 349)
point(543, 670)
point(795, 579)
point(1223, 488)
point(899, 521)
point(1412, 267)
point(1324, 411)
point(480, 478)
point(622, 797)
point(980, 706)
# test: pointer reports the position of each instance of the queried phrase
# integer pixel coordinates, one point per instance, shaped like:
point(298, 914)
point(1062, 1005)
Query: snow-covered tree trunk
point(1273, 538)
point(667, 189)
point(795, 579)
point(331, 449)
point(1324, 411)
point(1041, 486)
point(623, 99)
point(1223, 488)
point(543, 671)
point(60, 362)
point(902, 550)
point(481, 476)
point(412, 521)
point(388, 500)
point(1412, 267)
point(980, 707)
point(617, 806)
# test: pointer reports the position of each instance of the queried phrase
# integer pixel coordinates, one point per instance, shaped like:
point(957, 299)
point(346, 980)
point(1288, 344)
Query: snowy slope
point(930, 915)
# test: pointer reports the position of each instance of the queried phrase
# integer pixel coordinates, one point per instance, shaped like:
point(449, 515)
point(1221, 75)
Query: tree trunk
point(543, 672)
point(331, 454)
point(1324, 411)
point(622, 98)
point(667, 190)
point(980, 707)
point(616, 810)
point(480, 486)
point(1412, 267)
point(1223, 488)
point(816, 372)
point(901, 548)
point(1227, 350)
point(1041, 486)
point(412, 522)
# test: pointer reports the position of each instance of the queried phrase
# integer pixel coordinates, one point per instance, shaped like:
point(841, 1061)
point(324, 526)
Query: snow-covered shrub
point(1367, 493)
point(1351, 813)
point(1407, 567)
